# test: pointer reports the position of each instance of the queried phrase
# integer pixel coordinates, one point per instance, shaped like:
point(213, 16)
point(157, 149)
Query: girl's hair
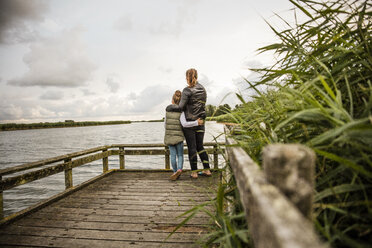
point(176, 97)
point(191, 77)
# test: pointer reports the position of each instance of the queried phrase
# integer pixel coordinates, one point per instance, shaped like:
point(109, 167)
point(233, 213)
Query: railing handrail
point(56, 159)
point(274, 221)
point(47, 161)
point(160, 145)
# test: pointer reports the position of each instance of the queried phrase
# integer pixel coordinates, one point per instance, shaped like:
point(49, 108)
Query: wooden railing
point(69, 161)
point(277, 199)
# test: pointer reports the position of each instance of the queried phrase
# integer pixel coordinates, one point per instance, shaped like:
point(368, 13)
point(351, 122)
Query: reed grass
point(319, 94)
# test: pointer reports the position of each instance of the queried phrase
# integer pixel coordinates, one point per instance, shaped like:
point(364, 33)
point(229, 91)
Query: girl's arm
point(186, 123)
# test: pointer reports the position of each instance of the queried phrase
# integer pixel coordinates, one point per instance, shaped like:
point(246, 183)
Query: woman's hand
point(200, 122)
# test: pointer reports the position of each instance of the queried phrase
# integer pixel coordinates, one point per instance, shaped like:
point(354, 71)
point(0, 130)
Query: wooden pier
point(120, 209)
point(140, 208)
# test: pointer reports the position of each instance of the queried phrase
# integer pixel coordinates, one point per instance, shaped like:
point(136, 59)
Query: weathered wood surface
point(291, 169)
point(12, 182)
point(273, 220)
point(36, 164)
point(124, 209)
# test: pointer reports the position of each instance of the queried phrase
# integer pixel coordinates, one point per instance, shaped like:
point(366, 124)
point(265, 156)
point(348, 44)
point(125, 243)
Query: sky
point(102, 60)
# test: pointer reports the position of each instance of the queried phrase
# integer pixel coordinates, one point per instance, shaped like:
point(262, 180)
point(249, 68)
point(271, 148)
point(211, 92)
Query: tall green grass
point(319, 94)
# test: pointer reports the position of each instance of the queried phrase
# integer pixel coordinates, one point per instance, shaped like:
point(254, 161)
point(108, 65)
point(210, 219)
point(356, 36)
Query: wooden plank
point(71, 206)
point(167, 220)
point(99, 234)
point(124, 202)
point(25, 241)
point(110, 226)
point(123, 212)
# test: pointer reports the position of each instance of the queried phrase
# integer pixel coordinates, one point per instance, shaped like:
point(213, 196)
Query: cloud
point(124, 23)
point(87, 92)
point(52, 95)
point(150, 101)
point(205, 81)
point(175, 26)
point(150, 98)
point(16, 17)
point(165, 70)
point(60, 61)
point(112, 84)
point(224, 95)
point(23, 109)
point(250, 64)
point(10, 112)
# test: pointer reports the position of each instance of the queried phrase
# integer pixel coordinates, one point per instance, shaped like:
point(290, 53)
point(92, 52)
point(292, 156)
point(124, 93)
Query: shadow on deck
point(123, 209)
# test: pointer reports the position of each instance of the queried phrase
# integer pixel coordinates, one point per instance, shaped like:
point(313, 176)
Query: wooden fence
point(69, 161)
point(277, 199)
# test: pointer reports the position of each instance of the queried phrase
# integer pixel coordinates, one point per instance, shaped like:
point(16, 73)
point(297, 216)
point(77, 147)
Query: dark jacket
point(173, 129)
point(193, 102)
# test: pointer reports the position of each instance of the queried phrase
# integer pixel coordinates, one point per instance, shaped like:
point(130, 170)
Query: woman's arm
point(186, 123)
point(184, 98)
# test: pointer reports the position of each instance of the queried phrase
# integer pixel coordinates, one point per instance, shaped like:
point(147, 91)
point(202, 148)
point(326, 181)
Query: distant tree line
point(213, 111)
point(69, 123)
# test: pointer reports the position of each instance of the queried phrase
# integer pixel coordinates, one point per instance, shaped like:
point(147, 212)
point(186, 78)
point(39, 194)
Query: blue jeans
point(176, 151)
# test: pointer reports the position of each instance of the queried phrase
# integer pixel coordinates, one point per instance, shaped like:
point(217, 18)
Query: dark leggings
point(194, 138)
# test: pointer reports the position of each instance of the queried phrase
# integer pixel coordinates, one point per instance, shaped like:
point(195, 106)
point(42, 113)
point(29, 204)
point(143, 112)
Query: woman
point(192, 102)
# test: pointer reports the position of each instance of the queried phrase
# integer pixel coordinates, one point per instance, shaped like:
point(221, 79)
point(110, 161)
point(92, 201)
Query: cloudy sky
point(122, 59)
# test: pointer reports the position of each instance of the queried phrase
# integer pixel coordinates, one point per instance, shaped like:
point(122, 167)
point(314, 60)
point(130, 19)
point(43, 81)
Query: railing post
point(105, 162)
point(122, 158)
point(167, 158)
point(215, 156)
point(68, 174)
point(291, 168)
point(1, 202)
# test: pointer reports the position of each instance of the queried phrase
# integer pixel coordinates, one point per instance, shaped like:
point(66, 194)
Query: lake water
point(24, 146)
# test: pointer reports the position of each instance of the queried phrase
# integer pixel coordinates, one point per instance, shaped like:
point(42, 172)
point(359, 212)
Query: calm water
point(19, 147)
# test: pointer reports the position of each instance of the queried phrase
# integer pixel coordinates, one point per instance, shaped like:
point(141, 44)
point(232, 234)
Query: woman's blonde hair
point(191, 77)
point(176, 97)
